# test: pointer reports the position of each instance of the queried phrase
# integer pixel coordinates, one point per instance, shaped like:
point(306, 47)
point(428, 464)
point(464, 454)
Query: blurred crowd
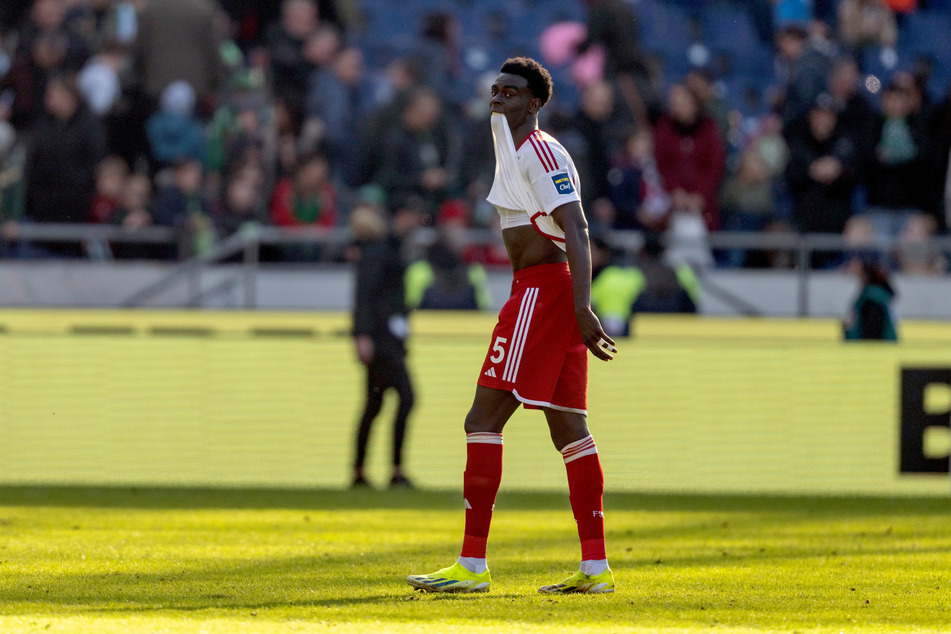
point(207, 117)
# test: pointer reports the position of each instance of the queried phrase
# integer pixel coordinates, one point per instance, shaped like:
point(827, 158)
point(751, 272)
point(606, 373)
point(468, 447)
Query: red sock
point(586, 491)
point(480, 485)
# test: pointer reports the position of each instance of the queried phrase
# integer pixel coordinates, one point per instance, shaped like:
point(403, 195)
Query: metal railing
point(247, 244)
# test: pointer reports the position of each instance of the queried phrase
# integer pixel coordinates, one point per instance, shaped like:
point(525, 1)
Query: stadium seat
point(662, 27)
point(746, 94)
point(875, 58)
point(925, 36)
point(727, 27)
point(566, 10)
point(391, 22)
point(927, 33)
point(663, 34)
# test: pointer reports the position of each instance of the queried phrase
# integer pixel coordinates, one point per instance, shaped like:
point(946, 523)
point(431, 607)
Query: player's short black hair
point(539, 80)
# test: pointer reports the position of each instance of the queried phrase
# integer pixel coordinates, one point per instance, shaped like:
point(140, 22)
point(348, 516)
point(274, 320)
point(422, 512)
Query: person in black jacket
point(418, 156)
point(380, 328)
point(821, 174)
point(67, 144)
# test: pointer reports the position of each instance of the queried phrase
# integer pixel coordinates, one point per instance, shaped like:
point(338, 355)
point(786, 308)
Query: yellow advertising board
point(262, 399)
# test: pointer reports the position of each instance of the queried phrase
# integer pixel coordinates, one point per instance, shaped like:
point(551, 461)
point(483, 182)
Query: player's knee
point(476, 423)
point(565, 430)
point(472, 423)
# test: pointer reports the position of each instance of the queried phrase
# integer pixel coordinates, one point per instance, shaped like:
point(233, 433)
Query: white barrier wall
point(88, 284)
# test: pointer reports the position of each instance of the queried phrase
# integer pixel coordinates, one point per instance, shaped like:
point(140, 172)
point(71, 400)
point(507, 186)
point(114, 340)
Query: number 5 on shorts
point(498, 350)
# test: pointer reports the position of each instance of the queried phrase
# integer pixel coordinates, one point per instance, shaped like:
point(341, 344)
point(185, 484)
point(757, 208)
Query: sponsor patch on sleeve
point(562, 183)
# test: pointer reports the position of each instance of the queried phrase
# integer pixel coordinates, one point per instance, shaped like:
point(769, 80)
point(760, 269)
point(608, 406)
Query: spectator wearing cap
point(174, 132)
point(821, 172)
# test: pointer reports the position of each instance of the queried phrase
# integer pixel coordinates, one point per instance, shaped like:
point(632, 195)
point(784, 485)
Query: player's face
point(511, 97)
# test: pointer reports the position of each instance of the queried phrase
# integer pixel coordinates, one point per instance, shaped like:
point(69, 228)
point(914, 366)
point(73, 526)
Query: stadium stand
point(262, 133)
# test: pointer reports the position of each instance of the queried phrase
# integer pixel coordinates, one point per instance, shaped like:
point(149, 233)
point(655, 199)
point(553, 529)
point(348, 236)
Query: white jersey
point(531, 181)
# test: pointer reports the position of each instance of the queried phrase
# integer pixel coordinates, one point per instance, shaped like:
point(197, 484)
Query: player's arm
point(570, 217)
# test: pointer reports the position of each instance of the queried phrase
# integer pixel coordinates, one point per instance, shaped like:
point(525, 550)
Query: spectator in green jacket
point(444, 280)
point(871, 315)
point(619, 291)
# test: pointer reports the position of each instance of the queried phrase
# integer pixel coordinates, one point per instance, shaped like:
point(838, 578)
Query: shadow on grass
point(367, 585)
point(304, 499)
point(225, 498)
point(292, 582)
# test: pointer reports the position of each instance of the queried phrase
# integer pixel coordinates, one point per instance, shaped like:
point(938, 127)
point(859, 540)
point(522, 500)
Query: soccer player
point(538, 352)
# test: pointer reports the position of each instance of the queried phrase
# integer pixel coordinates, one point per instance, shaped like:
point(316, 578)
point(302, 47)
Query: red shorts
point(536, 351)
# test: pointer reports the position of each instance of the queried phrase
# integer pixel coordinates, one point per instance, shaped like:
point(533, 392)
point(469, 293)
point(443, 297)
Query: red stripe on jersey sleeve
point(541, 155)
point(547, 149)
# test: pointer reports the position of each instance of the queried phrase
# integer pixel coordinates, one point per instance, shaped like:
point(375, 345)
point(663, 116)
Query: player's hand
point(365, 348)
point(593, 335)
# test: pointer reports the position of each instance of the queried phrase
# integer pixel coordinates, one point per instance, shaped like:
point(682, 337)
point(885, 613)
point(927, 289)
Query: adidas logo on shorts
point(490, 372)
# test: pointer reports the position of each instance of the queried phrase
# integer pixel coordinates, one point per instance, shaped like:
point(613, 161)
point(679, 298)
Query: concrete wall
point(88, 284)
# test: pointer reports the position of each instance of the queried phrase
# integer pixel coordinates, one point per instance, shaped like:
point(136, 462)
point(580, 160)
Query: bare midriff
point(526, 247)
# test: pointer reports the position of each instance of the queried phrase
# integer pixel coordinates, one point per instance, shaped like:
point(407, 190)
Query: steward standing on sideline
point(380, 329)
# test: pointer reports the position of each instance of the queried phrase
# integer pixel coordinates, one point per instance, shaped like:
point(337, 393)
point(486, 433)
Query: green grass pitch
point(168, 560)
